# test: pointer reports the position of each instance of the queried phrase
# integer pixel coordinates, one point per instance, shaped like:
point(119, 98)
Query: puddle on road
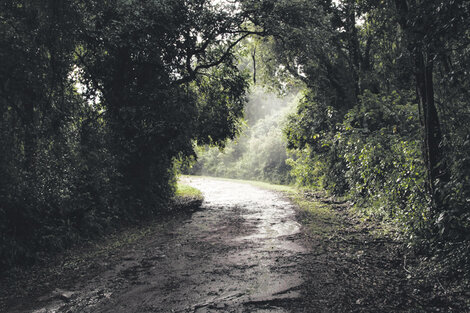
point(271, 220)
point(273, 214)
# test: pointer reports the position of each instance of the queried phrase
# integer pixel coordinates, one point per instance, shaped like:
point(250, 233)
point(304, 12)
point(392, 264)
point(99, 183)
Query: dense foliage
point(259, 153)
point(384, 118)
point(97, 100)
point(385, 113)
point(100, 99)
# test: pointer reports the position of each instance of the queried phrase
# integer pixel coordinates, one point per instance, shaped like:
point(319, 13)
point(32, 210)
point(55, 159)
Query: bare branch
point(192, 72)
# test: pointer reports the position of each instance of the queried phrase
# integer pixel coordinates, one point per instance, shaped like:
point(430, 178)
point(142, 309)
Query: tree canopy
point(100, 99)
point(384, 115)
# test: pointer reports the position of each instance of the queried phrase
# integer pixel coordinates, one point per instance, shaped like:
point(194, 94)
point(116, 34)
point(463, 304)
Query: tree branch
point(192, 72)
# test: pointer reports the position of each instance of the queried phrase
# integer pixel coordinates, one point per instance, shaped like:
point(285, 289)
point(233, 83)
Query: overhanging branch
point(192, 72)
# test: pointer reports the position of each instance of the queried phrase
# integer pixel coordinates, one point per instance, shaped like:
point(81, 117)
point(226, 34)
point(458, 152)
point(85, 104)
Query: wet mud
point(240, 253)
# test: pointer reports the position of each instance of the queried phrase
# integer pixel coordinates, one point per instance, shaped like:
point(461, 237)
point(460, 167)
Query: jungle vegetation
point(382, 116)
point(100, 100)
point(259, 152)
point(97, 101)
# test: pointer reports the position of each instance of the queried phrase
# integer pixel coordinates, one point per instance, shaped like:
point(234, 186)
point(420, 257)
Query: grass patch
point(260, 184)
point(318, 218)
point(283, 188)
point(186, 191)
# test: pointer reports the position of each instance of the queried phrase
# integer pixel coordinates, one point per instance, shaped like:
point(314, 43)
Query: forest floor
point(247, 249)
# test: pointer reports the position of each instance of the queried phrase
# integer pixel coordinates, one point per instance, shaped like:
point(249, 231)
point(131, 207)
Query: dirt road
point(243, 251)
point(238, 254)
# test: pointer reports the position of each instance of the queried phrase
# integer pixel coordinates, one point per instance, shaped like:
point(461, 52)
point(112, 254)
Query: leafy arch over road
point(384, 116)
point(154, 77)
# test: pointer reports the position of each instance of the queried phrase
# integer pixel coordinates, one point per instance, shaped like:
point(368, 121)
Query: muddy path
point(245, 250)
point(240, 253)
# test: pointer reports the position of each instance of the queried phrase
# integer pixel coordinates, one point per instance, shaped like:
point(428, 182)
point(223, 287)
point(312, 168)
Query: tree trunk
point(432, 130)
point(30, 140)
point(424, 65)
point(353, 43)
